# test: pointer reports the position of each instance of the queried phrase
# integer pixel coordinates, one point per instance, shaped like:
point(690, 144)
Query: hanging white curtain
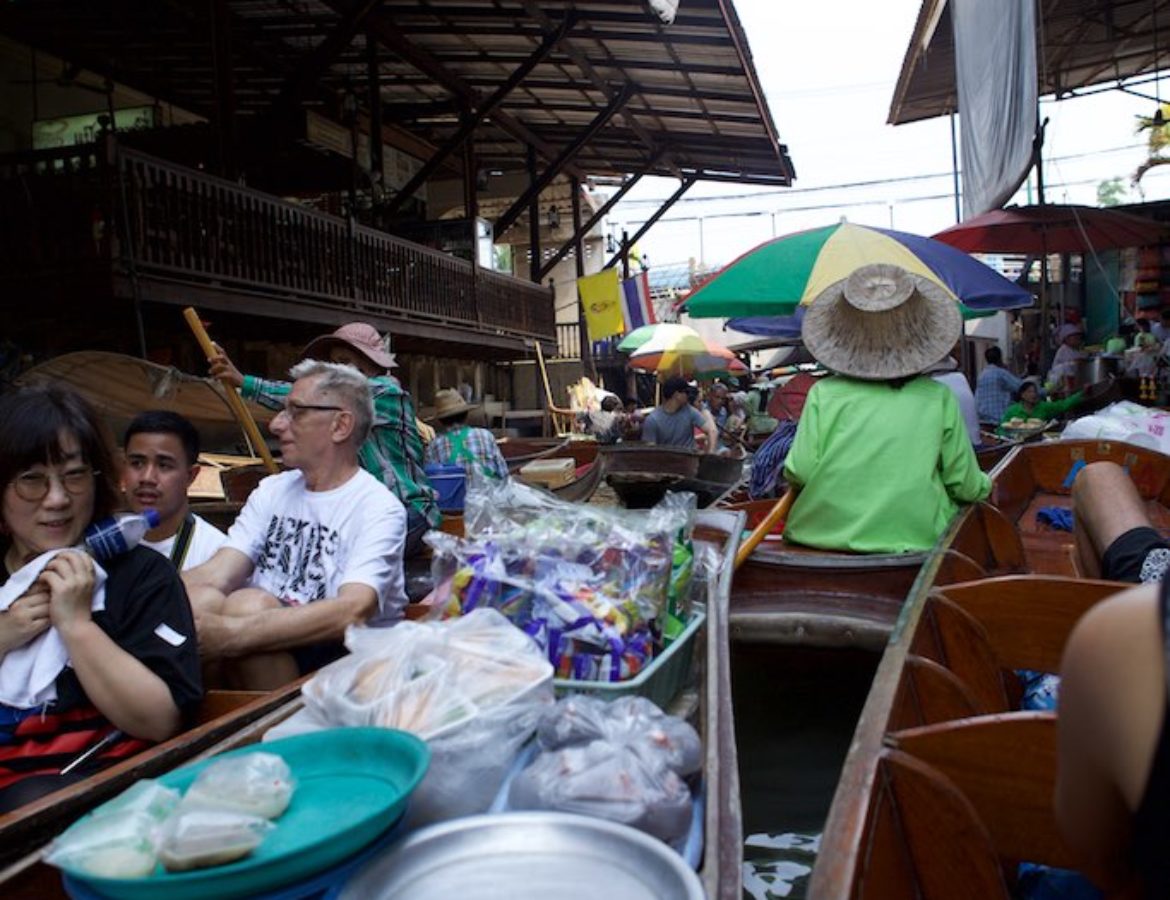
point(995, 71)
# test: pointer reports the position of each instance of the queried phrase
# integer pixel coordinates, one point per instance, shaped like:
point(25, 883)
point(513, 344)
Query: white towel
point(28, 674)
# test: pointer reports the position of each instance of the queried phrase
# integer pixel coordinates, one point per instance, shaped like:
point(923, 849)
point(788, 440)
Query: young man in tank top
point(162, 452)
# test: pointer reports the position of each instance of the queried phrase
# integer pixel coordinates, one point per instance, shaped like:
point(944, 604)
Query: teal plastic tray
point(352, 785)
point(660, 681)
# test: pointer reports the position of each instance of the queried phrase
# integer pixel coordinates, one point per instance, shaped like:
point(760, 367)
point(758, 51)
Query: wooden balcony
point(161, 233)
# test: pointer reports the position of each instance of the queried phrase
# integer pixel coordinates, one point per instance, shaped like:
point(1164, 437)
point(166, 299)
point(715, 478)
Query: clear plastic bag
point(473, 688)
point(118, 845)
point(632, 722)
point(608, 781)
point(591, 584)
point(146, 796)
point(257, 784)
point(200, 838)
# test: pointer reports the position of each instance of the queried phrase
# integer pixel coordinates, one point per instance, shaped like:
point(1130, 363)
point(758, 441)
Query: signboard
point(68, 131)
point(397, 167)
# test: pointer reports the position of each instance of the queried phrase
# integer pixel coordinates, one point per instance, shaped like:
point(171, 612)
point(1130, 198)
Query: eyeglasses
point(295, 410)
point(34, 486)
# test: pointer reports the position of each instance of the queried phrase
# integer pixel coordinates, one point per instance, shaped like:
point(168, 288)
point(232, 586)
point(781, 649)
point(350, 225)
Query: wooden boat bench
point(972, 796)
point(974, 636)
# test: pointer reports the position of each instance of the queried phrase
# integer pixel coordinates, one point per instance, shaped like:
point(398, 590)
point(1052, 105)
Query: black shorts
point(1139, 555)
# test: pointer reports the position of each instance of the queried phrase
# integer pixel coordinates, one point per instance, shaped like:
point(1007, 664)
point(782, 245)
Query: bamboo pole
point(775, 514)
point(243, 415)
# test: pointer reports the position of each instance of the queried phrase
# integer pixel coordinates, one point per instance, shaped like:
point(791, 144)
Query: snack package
point(608, 781)
point(258, 784)
point(592, 585)
point(117, 845)
point(200, 838)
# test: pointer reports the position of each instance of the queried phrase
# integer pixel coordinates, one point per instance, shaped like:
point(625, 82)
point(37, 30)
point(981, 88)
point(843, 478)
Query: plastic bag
point(147, 796)
point(258, 784)
point(472, 687)
point(118, 845)
point(198, 838)
point(608, 781)
point(592, 585)
point(633, 722)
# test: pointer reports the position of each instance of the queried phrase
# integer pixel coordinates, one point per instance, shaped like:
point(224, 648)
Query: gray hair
point(348, 385)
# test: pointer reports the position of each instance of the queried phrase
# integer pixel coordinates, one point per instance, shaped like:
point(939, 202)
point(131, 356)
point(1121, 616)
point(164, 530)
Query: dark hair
point(1024, 385)
point(1144, 325)
point(31, 422)
point(673, 385)
point(993, 355)
point(456, 419)
point(630, 400)
point(162, 421)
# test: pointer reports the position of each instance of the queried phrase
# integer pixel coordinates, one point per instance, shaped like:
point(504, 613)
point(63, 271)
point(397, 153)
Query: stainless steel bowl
point(526, 856)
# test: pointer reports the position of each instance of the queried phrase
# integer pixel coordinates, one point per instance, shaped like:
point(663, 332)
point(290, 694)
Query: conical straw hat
point(881, 322)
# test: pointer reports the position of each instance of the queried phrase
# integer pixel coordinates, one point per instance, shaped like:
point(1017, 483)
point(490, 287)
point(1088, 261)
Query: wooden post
point(243, 416)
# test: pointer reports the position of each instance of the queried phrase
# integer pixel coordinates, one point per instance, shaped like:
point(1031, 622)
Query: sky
point(828, 70)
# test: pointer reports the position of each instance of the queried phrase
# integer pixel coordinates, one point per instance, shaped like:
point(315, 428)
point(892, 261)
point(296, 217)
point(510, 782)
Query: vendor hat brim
point(881, 323)
point(447, 406)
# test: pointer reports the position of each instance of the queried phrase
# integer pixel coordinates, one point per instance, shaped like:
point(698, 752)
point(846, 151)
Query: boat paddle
point(761, 531)
point(243, 416)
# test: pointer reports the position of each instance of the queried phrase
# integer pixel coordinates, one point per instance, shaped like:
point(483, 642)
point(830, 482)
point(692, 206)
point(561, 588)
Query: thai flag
point(636, 306)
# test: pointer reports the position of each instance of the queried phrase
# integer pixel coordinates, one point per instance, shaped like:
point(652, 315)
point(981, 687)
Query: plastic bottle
point(116, 535)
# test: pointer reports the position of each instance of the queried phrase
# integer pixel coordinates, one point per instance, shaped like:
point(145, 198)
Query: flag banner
point(601, 299)
point(636, 306)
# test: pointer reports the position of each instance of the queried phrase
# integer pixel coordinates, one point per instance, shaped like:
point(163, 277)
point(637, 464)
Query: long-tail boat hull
point(947, 782)
point(27, 876)
point(641, 474)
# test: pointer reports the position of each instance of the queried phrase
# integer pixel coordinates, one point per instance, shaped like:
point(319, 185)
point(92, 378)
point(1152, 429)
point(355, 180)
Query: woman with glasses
point(95, 661)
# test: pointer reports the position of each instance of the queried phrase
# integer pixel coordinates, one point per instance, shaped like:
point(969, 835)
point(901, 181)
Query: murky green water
point(795, 711)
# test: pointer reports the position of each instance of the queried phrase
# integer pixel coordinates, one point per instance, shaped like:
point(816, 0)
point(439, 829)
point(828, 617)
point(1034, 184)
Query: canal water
point(795, 712)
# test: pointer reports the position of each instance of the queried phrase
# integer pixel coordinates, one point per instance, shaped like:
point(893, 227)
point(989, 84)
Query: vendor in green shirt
point(1028, 404)
point(881, 458)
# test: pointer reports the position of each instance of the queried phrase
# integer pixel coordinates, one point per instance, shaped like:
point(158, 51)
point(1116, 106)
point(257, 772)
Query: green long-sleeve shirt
point(1044, 409)
point(881, 469)
point(393, 452)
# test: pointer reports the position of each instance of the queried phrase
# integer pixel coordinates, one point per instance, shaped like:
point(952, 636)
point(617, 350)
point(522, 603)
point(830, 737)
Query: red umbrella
point(1051, 228)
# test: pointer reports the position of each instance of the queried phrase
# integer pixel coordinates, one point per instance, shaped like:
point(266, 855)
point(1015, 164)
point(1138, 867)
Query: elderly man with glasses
point(314, 550)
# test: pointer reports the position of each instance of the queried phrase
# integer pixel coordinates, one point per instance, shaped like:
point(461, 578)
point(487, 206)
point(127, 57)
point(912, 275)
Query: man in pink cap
point(393, 453)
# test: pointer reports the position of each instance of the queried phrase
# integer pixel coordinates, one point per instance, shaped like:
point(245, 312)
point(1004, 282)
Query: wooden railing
point(187, 226)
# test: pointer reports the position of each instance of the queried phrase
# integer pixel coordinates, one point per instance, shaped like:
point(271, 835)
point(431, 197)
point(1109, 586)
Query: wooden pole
point(243, 416)
point(771, 520)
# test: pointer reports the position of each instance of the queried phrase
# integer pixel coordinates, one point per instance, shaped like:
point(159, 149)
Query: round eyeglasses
point(34, 486)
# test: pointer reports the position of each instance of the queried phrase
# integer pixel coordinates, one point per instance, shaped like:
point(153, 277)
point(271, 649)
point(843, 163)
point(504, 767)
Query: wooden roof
point(685, 98)
point(1079, 43)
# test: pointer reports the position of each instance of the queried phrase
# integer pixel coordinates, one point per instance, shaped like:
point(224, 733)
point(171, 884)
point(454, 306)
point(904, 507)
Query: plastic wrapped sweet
point(608, 781)
point(146, 796)
point(258, 784)
point(200, 838)
point(117, 845)
point(632, 722)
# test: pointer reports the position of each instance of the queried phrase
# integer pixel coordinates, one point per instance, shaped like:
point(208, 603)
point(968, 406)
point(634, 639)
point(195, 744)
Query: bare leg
point(260, 671)
point(1106, 505)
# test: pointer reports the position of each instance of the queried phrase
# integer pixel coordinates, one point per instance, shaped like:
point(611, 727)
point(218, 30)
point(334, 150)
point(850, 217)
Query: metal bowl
point(526, 856)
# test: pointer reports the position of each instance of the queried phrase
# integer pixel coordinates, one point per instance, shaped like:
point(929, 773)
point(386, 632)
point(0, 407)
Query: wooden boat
point(26, 876)
point(641, 474)
point(946, 782)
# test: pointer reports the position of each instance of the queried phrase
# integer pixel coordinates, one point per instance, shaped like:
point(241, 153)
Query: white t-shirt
point(205, 540)
point(306, 544)
point(959, 386)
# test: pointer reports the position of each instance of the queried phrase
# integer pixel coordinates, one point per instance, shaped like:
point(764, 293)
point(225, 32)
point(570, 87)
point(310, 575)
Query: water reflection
point(795, 711)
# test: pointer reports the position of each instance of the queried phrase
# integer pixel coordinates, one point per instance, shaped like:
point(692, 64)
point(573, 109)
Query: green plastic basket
point(660, 681)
